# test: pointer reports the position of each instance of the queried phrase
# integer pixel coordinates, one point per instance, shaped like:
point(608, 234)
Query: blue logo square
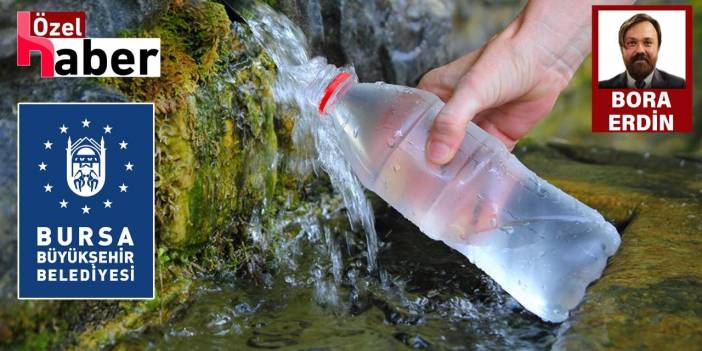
point(85, 201)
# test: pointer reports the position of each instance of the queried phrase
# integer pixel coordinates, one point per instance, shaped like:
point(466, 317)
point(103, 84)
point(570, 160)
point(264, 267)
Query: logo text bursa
point(59, 37)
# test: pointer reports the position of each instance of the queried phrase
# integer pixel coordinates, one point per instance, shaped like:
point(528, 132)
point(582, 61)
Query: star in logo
point(123, 188)
point(86, 209)
point(123, 145)
point(63, 203)
point(108, 129)
point(42, 166)
point(64, 129)
point(86, 123)
point(108, 203)
point(48, 187)
point(129, 166)
point(47, 145)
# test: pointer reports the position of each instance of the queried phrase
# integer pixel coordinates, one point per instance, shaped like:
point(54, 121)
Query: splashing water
point(563, 224)
point(300, 82)
point(329, 287)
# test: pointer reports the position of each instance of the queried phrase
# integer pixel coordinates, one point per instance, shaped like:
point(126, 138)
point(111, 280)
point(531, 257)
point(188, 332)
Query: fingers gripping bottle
point(541, 245)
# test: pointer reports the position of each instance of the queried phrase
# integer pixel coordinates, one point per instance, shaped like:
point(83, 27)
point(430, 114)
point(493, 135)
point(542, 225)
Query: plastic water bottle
point(538, 243)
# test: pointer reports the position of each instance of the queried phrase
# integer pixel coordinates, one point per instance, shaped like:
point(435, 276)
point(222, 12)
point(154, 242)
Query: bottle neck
point(334, 89)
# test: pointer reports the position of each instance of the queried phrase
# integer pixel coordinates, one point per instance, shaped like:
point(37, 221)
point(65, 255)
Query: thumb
point(497, 73)
point(449, 127)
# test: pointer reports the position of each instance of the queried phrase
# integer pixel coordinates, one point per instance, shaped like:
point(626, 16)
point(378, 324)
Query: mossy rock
point(215, 123)
point(219, 142)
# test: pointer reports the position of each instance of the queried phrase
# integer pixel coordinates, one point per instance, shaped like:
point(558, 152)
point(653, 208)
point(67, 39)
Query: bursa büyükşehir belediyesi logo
point(85, 201)
point(65, 51)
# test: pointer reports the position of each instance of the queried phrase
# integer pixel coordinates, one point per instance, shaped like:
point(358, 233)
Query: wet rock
point(396, 41)
point(415, 342)
point(218, 162)
point(8, 208)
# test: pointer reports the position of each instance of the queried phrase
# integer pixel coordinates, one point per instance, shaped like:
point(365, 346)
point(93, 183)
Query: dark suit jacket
point(660, 80)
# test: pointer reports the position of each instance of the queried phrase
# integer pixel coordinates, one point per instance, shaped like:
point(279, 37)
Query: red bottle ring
point(331, 88)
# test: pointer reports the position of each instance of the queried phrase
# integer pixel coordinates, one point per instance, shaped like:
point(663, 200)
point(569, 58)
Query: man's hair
point(638, 18)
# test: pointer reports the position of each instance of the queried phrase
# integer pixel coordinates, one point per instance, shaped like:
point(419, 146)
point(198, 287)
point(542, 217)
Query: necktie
point(640, 84)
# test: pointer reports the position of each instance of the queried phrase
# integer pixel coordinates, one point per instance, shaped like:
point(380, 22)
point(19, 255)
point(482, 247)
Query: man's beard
point(640, 66)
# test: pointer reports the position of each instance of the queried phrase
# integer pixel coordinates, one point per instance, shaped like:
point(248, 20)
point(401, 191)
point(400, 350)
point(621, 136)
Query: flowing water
point(286, 44)
point(321, 297)
point(331, 288)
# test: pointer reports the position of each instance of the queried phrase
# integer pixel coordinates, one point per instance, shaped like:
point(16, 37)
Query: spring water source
point(286, 45)
point(541, 245)
point(331, 289)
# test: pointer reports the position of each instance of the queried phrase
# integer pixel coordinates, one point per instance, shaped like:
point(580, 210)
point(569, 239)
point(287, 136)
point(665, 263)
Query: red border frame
point(689, 77)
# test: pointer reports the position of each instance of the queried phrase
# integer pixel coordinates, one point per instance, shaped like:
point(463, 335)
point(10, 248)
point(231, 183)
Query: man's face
point(640, 51)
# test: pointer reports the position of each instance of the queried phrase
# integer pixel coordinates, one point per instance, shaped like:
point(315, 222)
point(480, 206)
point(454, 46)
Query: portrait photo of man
point(640, 41)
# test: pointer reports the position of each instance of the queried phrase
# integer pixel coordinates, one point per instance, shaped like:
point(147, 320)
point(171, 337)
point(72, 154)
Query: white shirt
point(631, 82)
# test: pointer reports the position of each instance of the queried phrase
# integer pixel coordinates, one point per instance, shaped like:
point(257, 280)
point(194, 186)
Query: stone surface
point(397, 41)
point(8, 206)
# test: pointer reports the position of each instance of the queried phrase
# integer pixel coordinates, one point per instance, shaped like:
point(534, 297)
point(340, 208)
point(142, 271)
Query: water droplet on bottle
point(508, 229)
point(396, 167)
point(355, 133)
point(493, 222)
point(398, 134)
point(391, 142)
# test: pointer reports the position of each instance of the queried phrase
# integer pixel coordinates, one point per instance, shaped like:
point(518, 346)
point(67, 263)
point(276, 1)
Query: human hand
point(507, 86)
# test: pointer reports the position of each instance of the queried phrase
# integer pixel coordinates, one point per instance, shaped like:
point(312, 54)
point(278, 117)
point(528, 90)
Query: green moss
point(31, 325)
point(217, 143)
point(172, 291)
point(216, 125)
point(218, 139)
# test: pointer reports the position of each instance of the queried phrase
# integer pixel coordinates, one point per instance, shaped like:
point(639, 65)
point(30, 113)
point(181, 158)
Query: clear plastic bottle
point(538, 243)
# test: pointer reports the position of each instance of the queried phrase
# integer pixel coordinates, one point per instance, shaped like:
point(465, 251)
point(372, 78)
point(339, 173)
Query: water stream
point(322, 297)
point(331, 288)
point(286, 45)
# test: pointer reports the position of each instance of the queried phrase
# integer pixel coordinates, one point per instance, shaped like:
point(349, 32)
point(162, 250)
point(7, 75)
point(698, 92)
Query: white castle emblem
point(85, 166)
